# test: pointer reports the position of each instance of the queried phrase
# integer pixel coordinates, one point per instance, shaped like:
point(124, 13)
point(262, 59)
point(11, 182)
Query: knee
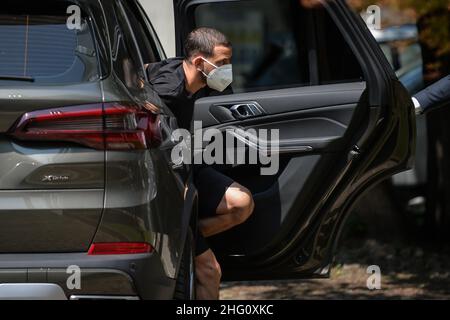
point(241, 204)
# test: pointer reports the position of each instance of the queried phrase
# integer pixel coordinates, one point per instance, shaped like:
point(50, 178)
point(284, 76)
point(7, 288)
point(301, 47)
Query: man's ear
point(197, 62)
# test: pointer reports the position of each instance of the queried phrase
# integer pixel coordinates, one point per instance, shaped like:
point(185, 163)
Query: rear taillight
point(112, 127)
point(119, 248)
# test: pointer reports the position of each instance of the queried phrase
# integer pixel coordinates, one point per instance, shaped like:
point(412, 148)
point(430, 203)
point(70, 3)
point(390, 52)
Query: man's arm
point(433, 96)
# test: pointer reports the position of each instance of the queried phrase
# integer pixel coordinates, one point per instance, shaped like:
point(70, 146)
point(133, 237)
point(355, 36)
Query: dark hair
point(203, 41)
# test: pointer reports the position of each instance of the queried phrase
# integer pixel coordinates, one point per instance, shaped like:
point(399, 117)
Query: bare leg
point(208, 274)
point(234, 209)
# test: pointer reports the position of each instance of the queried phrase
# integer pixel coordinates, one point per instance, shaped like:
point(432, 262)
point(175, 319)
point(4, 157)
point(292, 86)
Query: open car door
point(312, 71)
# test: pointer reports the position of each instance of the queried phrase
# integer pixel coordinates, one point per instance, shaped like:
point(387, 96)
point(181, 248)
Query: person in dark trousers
point(432, 96)
point(223, 204)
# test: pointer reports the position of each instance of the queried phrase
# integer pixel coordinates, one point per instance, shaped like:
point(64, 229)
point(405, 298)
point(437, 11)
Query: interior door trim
point(267, 147)
point(282, 101)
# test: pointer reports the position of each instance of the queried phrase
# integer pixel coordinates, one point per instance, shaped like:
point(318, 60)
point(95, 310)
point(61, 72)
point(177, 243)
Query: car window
point(38, 43)
point(128, 62)
point(281, 44)
point(145, 43)
point(266, 49)
point(336, 62)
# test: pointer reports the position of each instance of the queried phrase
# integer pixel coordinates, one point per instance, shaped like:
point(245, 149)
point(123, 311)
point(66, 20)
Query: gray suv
point(92, 205)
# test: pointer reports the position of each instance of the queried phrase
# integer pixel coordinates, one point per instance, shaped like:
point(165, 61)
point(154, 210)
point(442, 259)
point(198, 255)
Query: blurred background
point(415, 37)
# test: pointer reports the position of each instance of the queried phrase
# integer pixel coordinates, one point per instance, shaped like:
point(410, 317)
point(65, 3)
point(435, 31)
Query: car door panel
point(282, 101)
point(308, 119)
point(273, 204)
point(312, 125)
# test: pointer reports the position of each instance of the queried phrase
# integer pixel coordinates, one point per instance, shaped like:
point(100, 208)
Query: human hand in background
point(433, 96)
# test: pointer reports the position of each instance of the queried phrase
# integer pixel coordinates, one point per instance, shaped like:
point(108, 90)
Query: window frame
point(149, 29)
point(129, 38)
point(134, 16)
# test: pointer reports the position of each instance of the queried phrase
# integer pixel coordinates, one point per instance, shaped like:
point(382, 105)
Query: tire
point(185, 287)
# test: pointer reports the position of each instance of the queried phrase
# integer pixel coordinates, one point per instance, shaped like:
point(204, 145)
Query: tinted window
point(145, 43)
point(281, 44)
point(267, 50)
point(336, 61)
point(37, 43)
point(127, 60)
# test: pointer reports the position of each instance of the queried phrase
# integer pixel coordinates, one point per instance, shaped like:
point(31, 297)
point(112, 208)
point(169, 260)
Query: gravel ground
point(410, 268)
point(407, 273)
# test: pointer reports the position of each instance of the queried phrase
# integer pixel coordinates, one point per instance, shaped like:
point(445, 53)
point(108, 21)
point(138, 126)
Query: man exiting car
point(223, 203)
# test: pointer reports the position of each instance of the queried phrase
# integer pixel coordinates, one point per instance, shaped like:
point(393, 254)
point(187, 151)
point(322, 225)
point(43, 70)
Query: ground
point(407, 273)
point(410, 269)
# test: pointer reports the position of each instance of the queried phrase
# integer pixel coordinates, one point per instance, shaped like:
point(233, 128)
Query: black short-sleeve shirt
point(169, 81)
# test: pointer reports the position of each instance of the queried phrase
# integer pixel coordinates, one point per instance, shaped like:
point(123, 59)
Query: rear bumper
point(138, 276)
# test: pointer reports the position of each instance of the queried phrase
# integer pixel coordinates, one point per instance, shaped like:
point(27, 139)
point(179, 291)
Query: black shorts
point(211, 186)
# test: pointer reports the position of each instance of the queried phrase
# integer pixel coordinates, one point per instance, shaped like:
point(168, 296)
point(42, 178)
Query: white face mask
point(219, 78)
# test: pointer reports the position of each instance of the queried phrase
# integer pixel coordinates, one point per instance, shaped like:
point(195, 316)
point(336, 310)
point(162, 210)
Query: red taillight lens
point(112, 126)
point(130, 127)
point(119, 248)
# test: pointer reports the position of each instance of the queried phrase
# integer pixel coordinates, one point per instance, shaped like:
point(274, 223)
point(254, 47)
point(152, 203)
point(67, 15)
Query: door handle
point(246, 110)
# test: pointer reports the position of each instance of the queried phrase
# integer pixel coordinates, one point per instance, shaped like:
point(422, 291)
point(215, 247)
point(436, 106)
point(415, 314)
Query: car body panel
point(125, 275)
point(93, 196)
point(43, 183)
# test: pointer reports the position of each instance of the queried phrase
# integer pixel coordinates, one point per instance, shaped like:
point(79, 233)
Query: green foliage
point(424, 6)
point(436, 33)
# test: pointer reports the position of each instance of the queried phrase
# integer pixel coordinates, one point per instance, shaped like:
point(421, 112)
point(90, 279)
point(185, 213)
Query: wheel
point(185, 287)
